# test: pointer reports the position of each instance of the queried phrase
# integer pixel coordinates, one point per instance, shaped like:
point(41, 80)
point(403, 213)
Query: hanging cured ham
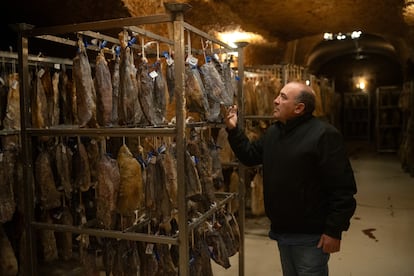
point(115, 90)
point(129, 109)
point(54, 109)
point(12, 119)
point(39, 102)
point(49, 197)
point(7, 171)
point(82, 168)
point(85, 89)
point(107, 190)
point(63, 159)
point(104, 91)
point(160, 94)
point(146, 94)
point(195, 94)
point(131, 191)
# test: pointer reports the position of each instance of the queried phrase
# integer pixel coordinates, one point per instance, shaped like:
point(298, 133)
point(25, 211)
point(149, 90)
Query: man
point(308, 181)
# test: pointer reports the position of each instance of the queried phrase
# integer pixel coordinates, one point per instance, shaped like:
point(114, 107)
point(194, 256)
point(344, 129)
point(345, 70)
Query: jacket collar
point(293, 123)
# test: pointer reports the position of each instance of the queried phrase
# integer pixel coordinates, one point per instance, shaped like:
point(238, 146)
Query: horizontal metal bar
point(209, 213)
point(207, 36)
point(12, 55)
point(106, 233)
point(100, 25)
point(150, 34)
point(66, 130)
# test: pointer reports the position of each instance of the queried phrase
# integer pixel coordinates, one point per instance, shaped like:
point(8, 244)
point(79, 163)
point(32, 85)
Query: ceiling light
point(237, 35)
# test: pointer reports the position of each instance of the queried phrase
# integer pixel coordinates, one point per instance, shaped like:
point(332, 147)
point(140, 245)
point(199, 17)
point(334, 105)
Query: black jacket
point(308, 181)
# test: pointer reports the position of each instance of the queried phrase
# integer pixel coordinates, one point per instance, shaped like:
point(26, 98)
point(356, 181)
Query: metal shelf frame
point(175, 16)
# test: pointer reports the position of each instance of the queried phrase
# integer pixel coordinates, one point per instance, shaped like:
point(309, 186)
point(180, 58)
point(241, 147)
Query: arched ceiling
point(293, 28)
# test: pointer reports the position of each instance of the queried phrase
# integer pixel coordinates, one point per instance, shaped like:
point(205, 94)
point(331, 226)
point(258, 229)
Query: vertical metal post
point(30, 262)
point(179, 60)
point(242, 169)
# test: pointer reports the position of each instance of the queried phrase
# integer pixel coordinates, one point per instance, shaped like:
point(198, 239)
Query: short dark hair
point(308, 99)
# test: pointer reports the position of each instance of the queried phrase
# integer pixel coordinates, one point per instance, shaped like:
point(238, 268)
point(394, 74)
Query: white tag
point(153, 74)
point(192, 60)
point(170, 61)
point(56, 66)
point(41, 73)
point(15, 84)
point(149, 249)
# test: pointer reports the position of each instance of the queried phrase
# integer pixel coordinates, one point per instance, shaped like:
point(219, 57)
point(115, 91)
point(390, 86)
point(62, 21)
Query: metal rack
point(176, 17)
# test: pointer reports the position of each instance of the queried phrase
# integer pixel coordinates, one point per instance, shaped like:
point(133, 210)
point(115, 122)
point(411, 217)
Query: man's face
point(285, 106)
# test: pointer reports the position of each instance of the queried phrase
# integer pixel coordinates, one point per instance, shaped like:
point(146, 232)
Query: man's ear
point(300, 107)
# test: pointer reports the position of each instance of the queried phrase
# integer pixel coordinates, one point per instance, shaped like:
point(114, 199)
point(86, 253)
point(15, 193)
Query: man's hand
point(329, 244)
point(231, 117)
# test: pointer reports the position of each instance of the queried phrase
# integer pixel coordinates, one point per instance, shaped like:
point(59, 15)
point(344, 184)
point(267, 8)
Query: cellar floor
point(380, 241)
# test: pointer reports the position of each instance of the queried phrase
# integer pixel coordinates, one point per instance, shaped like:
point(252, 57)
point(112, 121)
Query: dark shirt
point(308, 181)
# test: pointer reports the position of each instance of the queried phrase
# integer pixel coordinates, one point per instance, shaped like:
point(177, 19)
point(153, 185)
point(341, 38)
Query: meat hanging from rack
point(63, 157)
point(53, 104)
point(39, 102)
point(195, 94)
point(64, 240)
point(104, 90)
point(131, 191)
point(200, 253)
point(115, 89)
point(216, 168)
point(47, 239)
point(85, 89)
point(170, 164)
point(146, 93)
point(160, 93)
point(107, 190)
point(12, 119)
point(48, 195)
point(8, 261)
point(7, 195)
point(129, 109)
point(92, 149)
point(81, 168)
point(67, 100)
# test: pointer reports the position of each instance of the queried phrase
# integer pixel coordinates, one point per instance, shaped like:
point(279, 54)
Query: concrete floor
point(380, 241)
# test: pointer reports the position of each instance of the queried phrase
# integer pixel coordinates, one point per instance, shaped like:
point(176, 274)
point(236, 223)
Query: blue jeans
point(300, 256)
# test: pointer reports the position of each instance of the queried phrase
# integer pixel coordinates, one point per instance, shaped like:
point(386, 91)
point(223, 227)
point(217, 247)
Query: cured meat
point(225, 152)
point(131, 191)
point(65, 99)
point(146, 94)
point(64, 239)
point(53, 104)
point(104, 90)
point(218, 249)
point(48, 240)
point(191, 176)
point(81, 168)
point(7, 170)
point(226, 231)
point(85, 89)
point(198, 148)
point(214, 84)
point(160, 94)
point(49, 197)
point(92, 149)
point(216, 168)
point(115, 90)
point(129, 109)
point(201, 266)
point(170, 164)
point(195, 94)
point(257, 195)
point(39, 103)
point(165, 263)
point(149, 263)
point(63, 167)
point(234, 188)
point(107, 190)
point(8, 261)
point(12, 119)
point(250, 98)
point(3, 98)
